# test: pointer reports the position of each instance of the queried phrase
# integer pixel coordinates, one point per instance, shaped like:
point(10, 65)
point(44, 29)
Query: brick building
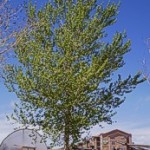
point(113, 140)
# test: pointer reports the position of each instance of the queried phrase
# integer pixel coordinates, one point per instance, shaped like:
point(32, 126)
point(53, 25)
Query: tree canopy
point(64, 75)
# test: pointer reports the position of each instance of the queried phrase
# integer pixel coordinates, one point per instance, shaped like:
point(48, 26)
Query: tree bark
point(67, 131)
point(66, 140)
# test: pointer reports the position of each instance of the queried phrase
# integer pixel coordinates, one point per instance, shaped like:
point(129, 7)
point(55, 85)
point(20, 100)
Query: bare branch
point(8, 27)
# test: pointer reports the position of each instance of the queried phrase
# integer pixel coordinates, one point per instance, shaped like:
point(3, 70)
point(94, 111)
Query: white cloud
point(141, 135)
point(5, 127)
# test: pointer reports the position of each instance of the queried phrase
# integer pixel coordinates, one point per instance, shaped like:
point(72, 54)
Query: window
point(105, 141)
point(113, 148)
point(28, 148)
point(98, 138)
point(113, 142)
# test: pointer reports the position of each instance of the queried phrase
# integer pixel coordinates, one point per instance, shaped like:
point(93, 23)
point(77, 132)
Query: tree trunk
point(67, 132)
point(66, 140)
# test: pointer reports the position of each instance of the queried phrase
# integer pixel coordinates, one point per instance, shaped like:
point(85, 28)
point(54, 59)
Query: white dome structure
point(23, 139)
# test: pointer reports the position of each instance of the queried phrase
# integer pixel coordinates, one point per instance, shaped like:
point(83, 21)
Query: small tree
point(64, 75)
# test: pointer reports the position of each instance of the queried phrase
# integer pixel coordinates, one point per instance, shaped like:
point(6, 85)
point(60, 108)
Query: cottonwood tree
point(64, 77)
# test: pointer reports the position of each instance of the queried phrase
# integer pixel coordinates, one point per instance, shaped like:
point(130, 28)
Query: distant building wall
point(113, 140)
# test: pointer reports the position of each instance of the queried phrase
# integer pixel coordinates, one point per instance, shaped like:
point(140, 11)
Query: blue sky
point(133, 114)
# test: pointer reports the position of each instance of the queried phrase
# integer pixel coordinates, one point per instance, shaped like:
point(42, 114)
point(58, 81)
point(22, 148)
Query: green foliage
point(64, 75)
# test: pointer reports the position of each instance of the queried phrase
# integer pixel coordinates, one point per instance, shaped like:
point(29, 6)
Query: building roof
point(114, 132)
